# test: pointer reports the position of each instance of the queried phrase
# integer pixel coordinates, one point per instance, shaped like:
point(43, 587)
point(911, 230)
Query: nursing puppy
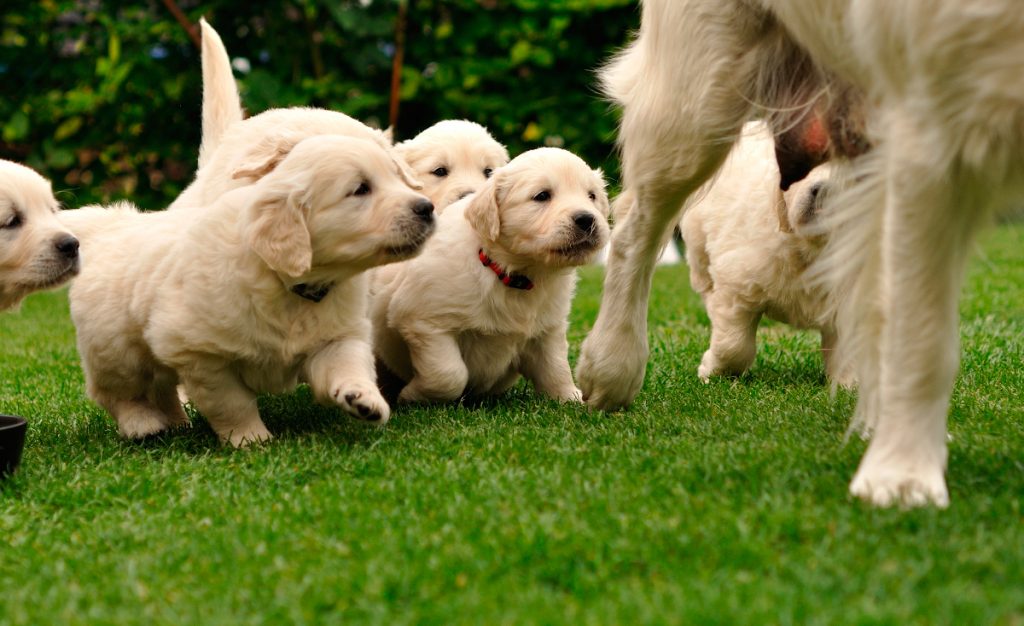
point(934, 90)
point(489, 298)
point(258, 291)
point(36, 250)
point(452, 159)
point(748, 245)
point(236, 151)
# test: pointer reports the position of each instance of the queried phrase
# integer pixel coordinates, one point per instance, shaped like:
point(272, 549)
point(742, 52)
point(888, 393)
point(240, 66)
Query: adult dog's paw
point(611, 369)
point(362, 400)
point(906, 484)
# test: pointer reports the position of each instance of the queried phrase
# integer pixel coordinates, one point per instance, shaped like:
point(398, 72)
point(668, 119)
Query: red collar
point(515, 281)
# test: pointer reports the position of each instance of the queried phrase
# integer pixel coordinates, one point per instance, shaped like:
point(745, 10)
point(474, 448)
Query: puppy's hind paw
point(362, 401)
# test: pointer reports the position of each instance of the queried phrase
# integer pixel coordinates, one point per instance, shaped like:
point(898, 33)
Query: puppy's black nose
point(67, 246)
point(584, 221)
point(424, 210)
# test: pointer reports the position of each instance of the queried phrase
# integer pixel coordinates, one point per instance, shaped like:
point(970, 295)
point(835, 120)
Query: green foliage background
point(103, 96)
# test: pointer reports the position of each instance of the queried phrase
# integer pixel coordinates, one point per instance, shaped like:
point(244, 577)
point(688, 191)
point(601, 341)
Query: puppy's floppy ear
point(405, 173)
point(278, 232)
point(262, 158)
point(482, 212)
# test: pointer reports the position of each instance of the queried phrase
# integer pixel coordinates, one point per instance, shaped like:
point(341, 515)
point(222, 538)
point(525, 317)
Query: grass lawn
point(723, 503)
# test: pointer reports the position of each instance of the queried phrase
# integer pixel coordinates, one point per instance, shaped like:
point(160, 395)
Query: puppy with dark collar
point(488, 300)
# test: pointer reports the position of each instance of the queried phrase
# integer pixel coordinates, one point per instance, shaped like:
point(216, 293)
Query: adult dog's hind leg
point(680, 118)
point(925, 237)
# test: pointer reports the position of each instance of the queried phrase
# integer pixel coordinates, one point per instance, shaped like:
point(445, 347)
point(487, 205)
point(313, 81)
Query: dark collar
point(515, 281)
point(313, 293)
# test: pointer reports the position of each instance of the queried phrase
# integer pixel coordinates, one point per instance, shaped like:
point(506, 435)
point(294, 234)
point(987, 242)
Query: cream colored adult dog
point(452, 159)
point(749, 244)
point(36, 250)
point(261, 289)
point(236, 151)
point(934, 86)
point(489, 298)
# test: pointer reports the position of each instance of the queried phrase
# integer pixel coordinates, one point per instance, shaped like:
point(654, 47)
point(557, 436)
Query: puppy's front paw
point(245, 437)
point(362, 401)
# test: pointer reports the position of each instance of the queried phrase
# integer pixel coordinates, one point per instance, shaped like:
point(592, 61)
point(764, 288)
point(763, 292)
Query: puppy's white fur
point(940, 84)
point(445, 323)
point(749, 245)
point(452, 159)
point(235, 151)
point(206, 298)
point(36, 250)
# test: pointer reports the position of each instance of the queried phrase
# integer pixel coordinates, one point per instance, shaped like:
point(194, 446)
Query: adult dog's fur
point(447, 325)
point(452, 159)
point(749, 244)
point(938, 86)
point(224, 299)
point(236, 151)
point(36, 250)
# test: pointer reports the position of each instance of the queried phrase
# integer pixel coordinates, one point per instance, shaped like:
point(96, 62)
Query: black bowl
point(12, 440)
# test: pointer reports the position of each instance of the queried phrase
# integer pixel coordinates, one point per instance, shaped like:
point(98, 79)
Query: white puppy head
point(452, 159)
point(545, 207)
point(803, 204)
point(36, 252)
point(336, 204)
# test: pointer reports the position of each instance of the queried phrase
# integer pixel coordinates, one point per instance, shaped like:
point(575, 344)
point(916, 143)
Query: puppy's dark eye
point(543, 196)
point(14, 221)
point(487, 172)
point(362, 190)
point(592, 195)
point(440, 172)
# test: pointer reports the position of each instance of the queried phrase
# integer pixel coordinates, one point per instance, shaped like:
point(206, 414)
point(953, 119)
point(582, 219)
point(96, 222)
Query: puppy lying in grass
point(452, 159)
point(236, 151)
point(748, 244)
point(260, 290)
point(489, 298)
point(36, 250)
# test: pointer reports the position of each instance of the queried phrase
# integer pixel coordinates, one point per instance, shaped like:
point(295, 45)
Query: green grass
point(723, 503)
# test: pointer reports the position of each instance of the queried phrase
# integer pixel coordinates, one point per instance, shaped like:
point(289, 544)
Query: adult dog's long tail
point(222, 105)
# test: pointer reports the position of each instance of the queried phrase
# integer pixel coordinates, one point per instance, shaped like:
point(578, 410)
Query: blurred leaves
point(103, 96)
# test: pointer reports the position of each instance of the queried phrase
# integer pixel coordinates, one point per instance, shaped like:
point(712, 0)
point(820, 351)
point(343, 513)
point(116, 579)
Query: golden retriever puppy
point(488, 299)
point(236, 151)
point(452, 159)
point(748, 245)
point(36, 250)
point(261, 289)
point(927, 102)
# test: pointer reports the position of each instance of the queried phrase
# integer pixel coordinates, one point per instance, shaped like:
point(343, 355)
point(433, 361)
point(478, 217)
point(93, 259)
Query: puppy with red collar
point(488, 299)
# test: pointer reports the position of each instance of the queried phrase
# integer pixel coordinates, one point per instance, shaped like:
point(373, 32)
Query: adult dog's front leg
point(440, 372)
point(343, 374)
point(545, 363)
point(228, 405)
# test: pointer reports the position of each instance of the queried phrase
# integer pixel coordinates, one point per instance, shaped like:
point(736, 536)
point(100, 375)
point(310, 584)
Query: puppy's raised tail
point(89, 221)
point(222, 106)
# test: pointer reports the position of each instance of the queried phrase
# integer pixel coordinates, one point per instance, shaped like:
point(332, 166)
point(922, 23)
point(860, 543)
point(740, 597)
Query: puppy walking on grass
point(489, 298)
point(749, 245)
point(262, 289)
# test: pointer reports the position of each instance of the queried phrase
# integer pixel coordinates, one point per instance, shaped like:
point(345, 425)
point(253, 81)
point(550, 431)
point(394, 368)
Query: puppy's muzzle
point(67, 247)
point(424, 210)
